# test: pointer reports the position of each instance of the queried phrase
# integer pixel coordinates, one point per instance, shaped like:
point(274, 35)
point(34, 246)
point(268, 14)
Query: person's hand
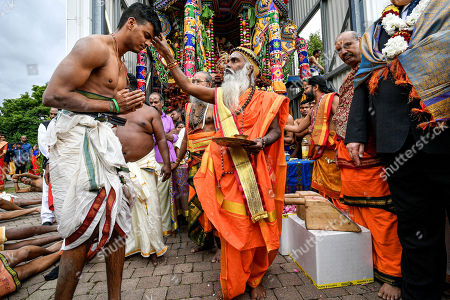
point(15, 176)
point(255, 148)
point(160, 44)
point(169, 136)
point(174, 165)
point(319, 150)
point(37, 210)
point(129, 101)
point(166, 172)
point(356, 151)
point(47, 174)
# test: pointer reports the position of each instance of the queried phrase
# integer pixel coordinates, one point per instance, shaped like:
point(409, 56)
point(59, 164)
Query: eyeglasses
point(195, 81)
point(345, 46)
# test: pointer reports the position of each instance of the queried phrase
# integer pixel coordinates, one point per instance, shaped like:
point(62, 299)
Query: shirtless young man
point(91, 80)
point(137, 142)
point(34, 182)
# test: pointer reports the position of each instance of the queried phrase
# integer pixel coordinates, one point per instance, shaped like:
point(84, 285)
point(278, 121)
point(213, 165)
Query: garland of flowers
point(400, 30)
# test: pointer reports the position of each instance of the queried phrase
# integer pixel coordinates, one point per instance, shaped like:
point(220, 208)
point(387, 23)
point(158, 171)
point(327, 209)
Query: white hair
point(235, 84)
point(196, 101)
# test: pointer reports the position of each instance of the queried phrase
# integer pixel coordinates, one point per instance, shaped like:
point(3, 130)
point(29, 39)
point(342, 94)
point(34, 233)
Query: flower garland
point(400, 30)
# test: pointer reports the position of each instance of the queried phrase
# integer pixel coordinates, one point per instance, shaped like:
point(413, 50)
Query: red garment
point(346, 92)
point(35, 165)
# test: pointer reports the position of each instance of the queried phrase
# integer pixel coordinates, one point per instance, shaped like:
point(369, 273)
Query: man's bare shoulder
point(146, 112)
point(92, 47)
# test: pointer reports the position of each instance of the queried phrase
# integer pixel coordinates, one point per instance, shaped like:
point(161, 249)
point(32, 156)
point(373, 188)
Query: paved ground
point(182, 275)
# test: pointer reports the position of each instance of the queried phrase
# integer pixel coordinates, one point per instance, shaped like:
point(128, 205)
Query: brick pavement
point(182, 275)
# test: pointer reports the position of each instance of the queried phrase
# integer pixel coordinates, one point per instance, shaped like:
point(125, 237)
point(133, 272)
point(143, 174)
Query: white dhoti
point(86, 167)
point(146, 234)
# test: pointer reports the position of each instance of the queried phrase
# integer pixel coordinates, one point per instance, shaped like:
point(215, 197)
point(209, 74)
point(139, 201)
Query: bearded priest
point(241, 189)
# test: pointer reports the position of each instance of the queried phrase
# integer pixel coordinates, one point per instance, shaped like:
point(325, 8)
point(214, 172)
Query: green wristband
point(117, 105)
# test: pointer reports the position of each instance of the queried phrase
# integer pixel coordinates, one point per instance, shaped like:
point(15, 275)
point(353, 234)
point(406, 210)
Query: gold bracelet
point(172, 65)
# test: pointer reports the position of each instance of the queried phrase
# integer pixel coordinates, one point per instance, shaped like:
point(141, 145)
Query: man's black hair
point(132, 82)
point(321, 82)
point(316, 51)
point(141, 13)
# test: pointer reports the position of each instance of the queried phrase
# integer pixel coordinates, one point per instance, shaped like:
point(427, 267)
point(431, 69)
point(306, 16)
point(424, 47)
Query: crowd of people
point(120, 189)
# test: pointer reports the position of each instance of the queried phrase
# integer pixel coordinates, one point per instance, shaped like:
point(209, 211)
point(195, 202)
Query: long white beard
point(233, 86)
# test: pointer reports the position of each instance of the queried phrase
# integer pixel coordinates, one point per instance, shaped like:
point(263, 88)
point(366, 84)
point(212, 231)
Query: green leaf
point(251, 17)
point(207, 13)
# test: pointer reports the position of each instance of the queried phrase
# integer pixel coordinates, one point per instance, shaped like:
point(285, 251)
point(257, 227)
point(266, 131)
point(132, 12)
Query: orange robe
point(326, 177)
point(247, 248)
point(368, 202)
point(366, 194)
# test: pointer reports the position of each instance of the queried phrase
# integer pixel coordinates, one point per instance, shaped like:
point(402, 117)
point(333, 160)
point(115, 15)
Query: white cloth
point(46, 214)
point(146, 234)
point(7, 197)
point(42, 140)
point(85, 157)
point(177, 144)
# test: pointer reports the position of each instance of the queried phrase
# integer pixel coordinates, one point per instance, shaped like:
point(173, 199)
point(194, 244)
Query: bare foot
point(199, 248)
point(389, 292)
point(258, 293)
point(216, 257)
point(55, 247)
point(153, 260)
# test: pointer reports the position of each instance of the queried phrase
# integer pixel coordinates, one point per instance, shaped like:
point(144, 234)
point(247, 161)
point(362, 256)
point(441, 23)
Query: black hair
point(321, 82)
point(316, 51)
point(132, 82)
point(179, 122)
point(141, 13)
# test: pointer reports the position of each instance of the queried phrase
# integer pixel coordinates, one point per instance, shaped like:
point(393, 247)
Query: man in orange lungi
point(326, 177)
point(200, 130)
point(363, 189)
point(241, 189)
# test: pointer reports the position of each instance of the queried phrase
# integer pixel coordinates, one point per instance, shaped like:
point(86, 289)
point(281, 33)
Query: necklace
point(242, 109)
point(193, 124)
point(120, 61)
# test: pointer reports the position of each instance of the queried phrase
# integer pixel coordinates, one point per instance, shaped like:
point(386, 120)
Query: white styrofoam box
point(285, 242)
point(329, 258)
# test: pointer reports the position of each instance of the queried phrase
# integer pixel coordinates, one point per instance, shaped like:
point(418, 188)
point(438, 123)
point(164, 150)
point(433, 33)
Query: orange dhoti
point(326, 177)
point(240, 267)
point(368, 202)
point(249, 240)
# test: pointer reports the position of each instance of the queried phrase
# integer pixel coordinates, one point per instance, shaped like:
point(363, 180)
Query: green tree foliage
point(315, 42)
point(23, 115)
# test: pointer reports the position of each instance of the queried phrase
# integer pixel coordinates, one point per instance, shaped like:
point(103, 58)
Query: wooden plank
point(323, 215)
